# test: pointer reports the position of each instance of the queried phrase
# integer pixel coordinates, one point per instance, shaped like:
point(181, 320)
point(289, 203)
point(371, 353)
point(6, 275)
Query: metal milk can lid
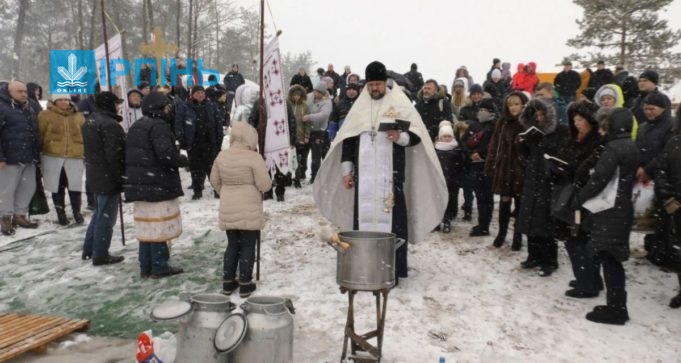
point(171, 309)
point(230, 333)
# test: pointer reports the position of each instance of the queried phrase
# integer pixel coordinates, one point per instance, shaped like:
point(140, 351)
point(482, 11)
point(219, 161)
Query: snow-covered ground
point(463, 300)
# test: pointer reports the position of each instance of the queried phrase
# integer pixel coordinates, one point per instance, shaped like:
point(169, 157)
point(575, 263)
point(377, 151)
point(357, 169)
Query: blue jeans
point(240, 252)
point(100, 229)
point(153, 257)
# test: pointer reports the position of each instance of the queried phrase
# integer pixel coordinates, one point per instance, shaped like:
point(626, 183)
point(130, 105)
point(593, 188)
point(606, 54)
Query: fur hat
point(60, 96)
point(107, 101)
point(375, 71)
point(650, 75)
point(655, 99)
point(446, 128)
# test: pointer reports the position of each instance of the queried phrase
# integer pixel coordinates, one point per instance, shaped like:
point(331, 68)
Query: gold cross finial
point(158, 49)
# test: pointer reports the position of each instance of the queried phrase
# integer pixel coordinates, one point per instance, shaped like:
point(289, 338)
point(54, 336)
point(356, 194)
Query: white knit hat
point(59, 96)
point(445, 129)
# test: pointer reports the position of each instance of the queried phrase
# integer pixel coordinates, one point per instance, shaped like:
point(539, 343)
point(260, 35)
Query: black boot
point(59, 205)
point(517, 242)
point(229, 286)
point(296, 184)
point(246, 289)
point(504, 218)
point(615, 312)
point(76, 199)
point(267, 195)
point(533, 254)
point(675, 302)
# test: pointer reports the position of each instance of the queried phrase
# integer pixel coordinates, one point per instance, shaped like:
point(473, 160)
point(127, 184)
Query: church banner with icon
point(115, 52)
point(277, 135)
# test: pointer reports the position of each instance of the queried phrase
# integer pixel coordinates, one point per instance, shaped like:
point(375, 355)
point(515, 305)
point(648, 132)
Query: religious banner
point(277, 136)
point(115, 52)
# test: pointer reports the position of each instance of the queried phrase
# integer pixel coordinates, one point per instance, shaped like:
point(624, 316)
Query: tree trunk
point(81, 26)
point(195, 36)
point(178, 11)
point(93, 16)
point(189, 37)
point(150, 9)
point(145, 26)
point(623, 46)
point(19, 37)
point(217, 35)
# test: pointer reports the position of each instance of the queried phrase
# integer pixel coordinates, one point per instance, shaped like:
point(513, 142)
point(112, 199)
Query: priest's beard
point(377, 95)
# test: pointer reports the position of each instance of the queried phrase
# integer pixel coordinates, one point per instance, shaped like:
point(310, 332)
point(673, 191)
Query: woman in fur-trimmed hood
point(534, 218)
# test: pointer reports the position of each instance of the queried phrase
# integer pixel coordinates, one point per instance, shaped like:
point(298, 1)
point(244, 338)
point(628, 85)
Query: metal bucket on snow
point(269, 338)
point(208, 329)
point(369, 263)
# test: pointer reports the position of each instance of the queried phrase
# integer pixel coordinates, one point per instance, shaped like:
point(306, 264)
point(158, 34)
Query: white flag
point(277, 136)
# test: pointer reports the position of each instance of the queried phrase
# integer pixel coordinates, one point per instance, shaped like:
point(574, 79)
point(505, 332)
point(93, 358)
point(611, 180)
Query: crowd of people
point(546, 149)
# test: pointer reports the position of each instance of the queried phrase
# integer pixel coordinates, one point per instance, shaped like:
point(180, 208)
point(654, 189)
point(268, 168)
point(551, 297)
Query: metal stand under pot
point(365, 262)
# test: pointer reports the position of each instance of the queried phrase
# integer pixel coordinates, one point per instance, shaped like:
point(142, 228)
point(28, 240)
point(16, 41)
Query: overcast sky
point(438, 35)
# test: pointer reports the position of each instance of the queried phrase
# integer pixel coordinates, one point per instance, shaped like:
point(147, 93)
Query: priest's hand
point(348, 181)
point(393, 135)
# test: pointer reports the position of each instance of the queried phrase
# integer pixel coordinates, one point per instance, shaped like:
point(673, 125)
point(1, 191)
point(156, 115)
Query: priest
point(381, 173)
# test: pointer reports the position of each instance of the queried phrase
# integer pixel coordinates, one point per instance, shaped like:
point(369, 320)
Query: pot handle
point(399, 242)
point(336, 247)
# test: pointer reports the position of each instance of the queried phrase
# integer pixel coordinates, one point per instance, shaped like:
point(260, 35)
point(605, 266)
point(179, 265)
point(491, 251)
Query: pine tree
point(628, 33)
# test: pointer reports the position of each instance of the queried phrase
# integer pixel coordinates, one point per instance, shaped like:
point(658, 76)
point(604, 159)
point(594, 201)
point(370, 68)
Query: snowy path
point(461, 294)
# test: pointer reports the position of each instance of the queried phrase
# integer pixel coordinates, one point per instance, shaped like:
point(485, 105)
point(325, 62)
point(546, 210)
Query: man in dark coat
point(601, 76)
point(433, 107)
point(152, 176)
point(534, 218)
point(567, 83)
point(19, 154)
point(199, 130)
point(104, 143)
point(652, 138)
point(668, 191)
point(647, 84)
point(610, 228)
point(232, 81)
point(416, 79)
point(301, 78)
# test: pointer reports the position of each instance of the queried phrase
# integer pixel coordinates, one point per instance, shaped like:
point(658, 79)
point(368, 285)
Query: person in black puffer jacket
point(534, 218)
point(584, 139)
point(610, 228)
point(104, 145)
point(153, 183)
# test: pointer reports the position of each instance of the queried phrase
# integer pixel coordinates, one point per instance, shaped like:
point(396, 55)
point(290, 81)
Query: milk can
point(269, 338)
point(207, 329)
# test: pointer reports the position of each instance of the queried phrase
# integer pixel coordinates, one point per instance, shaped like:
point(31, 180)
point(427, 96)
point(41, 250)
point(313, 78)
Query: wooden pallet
point(22, 333)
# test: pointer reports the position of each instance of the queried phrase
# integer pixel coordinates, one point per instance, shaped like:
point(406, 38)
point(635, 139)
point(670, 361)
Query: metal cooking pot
point(369, 264)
